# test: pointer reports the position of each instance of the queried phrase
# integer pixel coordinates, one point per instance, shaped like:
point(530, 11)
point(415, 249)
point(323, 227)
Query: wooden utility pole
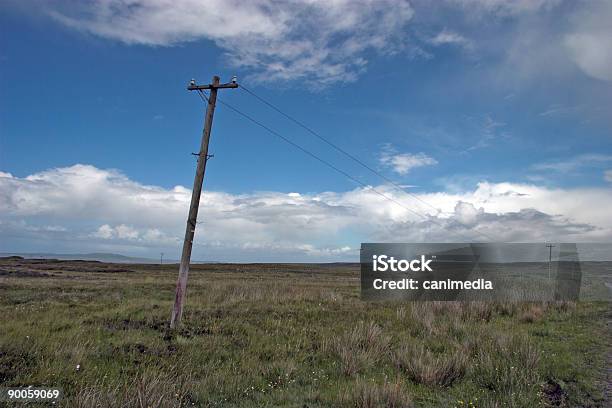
point(550, 247)
point(181, 284)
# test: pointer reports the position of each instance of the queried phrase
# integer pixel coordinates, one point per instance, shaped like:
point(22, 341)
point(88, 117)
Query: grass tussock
point(508, 366)
point(532, 314)
point(477, 311)
point(361, 347)
point(363, 394)
point(148, 390)
point(424, 367)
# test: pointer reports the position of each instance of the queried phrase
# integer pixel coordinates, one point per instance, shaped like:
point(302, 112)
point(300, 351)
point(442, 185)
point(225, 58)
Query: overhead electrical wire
point(336, 147)
point(204, 97)
point(309, 153)
point(344, 152)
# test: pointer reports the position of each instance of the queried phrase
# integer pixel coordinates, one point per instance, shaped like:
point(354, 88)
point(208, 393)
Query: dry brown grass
point(148, 390)
point(424, 317)
point(424, 367)
point(371, 395)
point(531, 314)
point(361, 347)
point(477, 311)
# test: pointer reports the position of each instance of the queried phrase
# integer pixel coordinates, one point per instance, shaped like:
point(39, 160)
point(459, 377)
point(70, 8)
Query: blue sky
point(451, 100)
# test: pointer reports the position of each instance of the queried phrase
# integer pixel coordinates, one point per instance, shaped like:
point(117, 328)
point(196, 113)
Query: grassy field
point(289, 336)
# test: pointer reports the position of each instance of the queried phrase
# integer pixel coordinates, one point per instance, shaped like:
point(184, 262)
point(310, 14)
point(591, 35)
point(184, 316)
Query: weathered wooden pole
point(181, 284)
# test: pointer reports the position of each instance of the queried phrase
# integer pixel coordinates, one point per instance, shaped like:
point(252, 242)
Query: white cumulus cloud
point(323, 41)
point(445, 37)
point(402, 163)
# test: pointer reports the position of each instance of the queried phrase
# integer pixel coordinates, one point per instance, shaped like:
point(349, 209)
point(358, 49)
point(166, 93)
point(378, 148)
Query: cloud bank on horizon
point(98, 209)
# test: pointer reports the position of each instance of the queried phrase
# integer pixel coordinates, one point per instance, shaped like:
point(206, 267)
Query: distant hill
point(95, 256)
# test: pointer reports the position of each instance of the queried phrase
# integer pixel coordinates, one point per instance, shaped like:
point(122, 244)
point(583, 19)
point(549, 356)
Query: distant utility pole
point(550, 247)
point(181, 284)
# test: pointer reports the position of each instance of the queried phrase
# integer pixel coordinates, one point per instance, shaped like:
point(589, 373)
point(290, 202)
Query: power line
point(335, 146)
point(309, 153)
point(347, 154)
point(325, 162)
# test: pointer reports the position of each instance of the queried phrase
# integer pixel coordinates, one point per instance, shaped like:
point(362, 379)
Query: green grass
point(286, 335)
